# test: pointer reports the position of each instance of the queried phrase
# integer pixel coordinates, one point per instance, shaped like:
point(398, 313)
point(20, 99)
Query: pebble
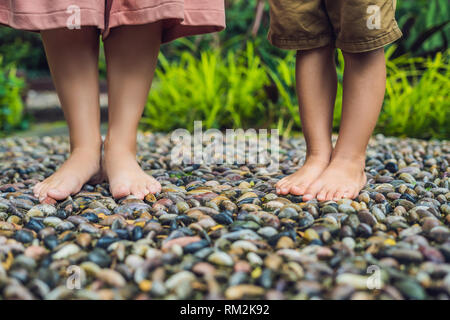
point(244, 291)
point(111, 277)
point(66, 251)
point(355, 281)
point(221, 258)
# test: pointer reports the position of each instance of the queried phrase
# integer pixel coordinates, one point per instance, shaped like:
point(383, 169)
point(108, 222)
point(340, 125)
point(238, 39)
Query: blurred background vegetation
point(237, 79)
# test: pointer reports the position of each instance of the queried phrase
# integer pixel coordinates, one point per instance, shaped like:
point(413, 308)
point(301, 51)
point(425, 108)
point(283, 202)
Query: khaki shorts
point(351, 25)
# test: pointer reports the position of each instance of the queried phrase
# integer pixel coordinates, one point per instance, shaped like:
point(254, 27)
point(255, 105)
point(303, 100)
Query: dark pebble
point(24, 236)
point(51, 241)
point(99, 257)
point(105, 242)
point(35, 225)
point(137, 233)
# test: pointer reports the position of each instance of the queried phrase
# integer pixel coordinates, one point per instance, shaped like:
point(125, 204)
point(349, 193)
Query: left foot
point(343, 178)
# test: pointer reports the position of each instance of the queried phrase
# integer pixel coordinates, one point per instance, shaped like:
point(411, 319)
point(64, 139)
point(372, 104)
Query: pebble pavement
point(221, 232)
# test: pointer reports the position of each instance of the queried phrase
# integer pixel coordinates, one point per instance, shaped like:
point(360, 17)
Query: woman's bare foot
point(79, 168)
point(298, 182)
point(124, 174)
point(343, 178)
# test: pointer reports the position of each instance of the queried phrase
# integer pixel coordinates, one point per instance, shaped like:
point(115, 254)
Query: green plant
point(425, 25)
point(222, 92)
point(11, 106)
point(417, 100)
point(24, 49)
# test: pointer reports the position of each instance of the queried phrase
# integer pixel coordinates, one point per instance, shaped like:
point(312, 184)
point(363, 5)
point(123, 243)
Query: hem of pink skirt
point(196, 22)
point(52, 20)
point(187, 23)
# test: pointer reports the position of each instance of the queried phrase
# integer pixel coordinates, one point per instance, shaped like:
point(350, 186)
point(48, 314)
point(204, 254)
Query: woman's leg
point(131, 57)
point(316, 89)
point(364, 88)
point(73, 60)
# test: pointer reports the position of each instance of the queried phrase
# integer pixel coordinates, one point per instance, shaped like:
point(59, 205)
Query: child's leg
point(131, 57)
point(316, 89)
point(364, 88)
point(73, 59)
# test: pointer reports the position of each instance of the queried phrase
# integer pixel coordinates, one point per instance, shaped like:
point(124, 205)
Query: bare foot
point(298, 182)
point(343, 178)
point(79, 168)
point(125, 176)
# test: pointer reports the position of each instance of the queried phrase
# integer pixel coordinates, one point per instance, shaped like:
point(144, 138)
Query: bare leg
point(131, 57)
point(73, 59)
point(364, 88)
point(316, 88)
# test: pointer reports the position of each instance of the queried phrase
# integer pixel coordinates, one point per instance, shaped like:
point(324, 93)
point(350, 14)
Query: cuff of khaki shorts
point(380, 42)
point(299, 44)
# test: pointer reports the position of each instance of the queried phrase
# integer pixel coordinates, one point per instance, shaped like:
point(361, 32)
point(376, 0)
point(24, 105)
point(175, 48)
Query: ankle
point(114, 147)
point(349, 159)
point(319, 157)
point(87, 150)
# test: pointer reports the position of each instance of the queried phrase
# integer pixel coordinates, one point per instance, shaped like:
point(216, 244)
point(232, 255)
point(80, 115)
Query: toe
point(311, 191)
point(156, 188)
point(43, 193)
point(58, 194)
point(282, 187)
point(60, 189)
point(153, 185)
point(280, 183)
point(338, 195)
point(37, 189)
point(347, 194)
point(298, 190)
point(285, 188)
point(322, 194)
point(330, 194)
point(152, 188)
point(137, 192)
point(120, 191)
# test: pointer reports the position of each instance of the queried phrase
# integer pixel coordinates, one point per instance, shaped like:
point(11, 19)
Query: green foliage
point(24, 49)
point(425, 25)
point(223, 92)
point(417, 100)
point(11, 106)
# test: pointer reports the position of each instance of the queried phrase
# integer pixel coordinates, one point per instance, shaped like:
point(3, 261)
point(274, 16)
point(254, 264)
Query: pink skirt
point(180, 17)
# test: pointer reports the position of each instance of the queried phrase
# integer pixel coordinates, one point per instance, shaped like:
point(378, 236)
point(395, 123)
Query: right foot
point(298, 182)
point(124, 174)
point(82, 165)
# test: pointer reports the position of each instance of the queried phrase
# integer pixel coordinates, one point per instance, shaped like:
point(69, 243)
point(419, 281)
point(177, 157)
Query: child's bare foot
point(298, 182)
point(343, 178)
point(80, 167)
point(124, 174)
